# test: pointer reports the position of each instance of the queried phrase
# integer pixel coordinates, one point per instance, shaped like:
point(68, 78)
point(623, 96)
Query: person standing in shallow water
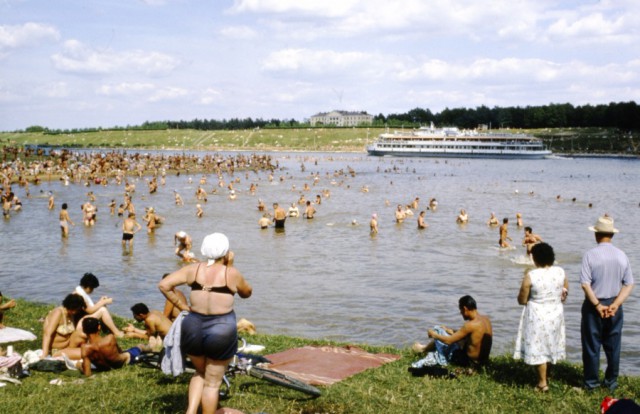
point(129, 227)
point(530, 239)
point(504, 229)
point(184, 243)
point(152, 220)
point(421, 223)
point(373, 224)
point(65, 220)
point(400, 214)
point(309, 211)
point(279, 216)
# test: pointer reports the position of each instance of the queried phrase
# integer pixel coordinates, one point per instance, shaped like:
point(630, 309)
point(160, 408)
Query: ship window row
point(461, 147)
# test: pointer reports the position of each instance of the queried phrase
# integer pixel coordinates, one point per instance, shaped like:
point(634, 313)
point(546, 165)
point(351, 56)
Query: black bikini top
point(217, 289)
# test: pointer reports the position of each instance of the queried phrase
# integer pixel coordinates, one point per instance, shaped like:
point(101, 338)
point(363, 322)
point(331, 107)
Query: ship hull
point(505, 154)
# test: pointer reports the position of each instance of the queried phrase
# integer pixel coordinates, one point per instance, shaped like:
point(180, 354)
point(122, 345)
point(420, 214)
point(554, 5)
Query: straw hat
point(604, 225)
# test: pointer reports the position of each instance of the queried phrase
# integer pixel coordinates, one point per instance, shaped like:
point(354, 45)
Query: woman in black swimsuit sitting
point(209, 333)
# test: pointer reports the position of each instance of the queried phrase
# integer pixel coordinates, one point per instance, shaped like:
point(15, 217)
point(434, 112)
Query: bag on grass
point(49, 365)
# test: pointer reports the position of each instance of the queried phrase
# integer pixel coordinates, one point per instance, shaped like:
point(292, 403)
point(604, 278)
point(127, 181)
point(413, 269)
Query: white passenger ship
point(454, 143)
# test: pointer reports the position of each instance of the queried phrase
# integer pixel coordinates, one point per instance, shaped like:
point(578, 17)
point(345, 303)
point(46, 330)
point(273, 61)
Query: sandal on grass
point(544, 388)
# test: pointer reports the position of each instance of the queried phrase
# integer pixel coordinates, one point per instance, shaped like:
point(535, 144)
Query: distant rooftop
point(343, 113)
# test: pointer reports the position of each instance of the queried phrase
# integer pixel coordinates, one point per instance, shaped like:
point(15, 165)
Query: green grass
point(330, 139)
point(505, 386)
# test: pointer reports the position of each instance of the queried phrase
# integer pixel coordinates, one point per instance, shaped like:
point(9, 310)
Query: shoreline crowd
point(598, 281)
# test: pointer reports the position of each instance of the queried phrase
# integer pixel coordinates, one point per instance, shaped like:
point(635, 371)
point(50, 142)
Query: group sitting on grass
point(65, 329)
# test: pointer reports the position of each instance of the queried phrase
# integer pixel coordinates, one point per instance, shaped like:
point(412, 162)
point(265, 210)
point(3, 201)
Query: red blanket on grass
point(326, 365)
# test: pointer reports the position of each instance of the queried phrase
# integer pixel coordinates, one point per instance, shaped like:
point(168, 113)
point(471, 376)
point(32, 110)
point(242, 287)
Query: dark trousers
point(597, 332)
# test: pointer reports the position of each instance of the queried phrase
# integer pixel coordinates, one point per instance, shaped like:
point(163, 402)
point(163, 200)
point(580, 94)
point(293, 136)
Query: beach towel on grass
point(326, 365)
point(14, 334)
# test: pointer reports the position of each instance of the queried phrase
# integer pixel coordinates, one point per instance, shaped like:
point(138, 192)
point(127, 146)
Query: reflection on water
point(328, 278)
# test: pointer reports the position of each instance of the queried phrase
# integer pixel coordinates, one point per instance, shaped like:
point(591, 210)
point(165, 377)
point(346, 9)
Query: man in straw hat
point(607, 282)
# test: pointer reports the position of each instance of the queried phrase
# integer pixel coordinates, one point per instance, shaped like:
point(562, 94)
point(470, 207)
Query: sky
point(97, 63)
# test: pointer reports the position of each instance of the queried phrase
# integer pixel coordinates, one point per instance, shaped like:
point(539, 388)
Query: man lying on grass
point(469, 345)
point(103, 351)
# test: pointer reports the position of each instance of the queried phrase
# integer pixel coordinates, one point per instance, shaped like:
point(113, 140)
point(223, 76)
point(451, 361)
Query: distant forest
point(624, 116)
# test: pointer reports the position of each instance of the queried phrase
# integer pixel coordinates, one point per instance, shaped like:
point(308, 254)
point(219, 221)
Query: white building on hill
point(342, 118)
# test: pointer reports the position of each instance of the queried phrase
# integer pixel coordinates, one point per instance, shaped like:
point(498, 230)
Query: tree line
point(621, 115)
point(624, 116)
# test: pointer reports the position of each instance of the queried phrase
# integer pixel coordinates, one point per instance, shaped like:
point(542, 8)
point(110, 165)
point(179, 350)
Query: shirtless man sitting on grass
point(156, 323)
point(469, 345)
point(103, 351)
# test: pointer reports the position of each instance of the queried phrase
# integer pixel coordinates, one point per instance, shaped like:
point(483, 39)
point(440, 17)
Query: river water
point(328, 278)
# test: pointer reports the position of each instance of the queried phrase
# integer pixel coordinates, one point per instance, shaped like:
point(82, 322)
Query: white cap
point(215, 246)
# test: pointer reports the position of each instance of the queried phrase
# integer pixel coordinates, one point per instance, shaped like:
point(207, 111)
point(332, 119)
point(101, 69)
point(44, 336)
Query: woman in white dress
point(541, 335)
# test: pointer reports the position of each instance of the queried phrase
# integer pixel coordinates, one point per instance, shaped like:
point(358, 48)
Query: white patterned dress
point(541, 335)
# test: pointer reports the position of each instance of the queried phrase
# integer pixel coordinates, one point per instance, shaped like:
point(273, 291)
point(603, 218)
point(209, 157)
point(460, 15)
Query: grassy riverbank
point(505, 386)
point(330, 139)
point(562, 141)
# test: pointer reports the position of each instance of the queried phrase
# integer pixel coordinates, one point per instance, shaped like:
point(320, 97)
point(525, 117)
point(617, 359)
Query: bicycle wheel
point(283, 380)
point(225, 388)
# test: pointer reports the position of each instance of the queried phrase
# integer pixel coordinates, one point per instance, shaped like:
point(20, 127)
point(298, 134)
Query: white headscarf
point(215, 246)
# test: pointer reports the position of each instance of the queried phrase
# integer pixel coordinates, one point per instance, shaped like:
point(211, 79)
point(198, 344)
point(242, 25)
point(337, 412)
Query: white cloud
point(28, 34)
point(238, 32)
point(154, 2)
point(125, 89)
point(210, 96)
point(476, 20)
point(56, 90)
point(313, 61)
point(79, 58)
point(590, 28)
point(445, 98)
point(147, 92)
point(506, 20)
point(488, 70)
point(316, 8)
point(168, 94)
point(9, 96)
